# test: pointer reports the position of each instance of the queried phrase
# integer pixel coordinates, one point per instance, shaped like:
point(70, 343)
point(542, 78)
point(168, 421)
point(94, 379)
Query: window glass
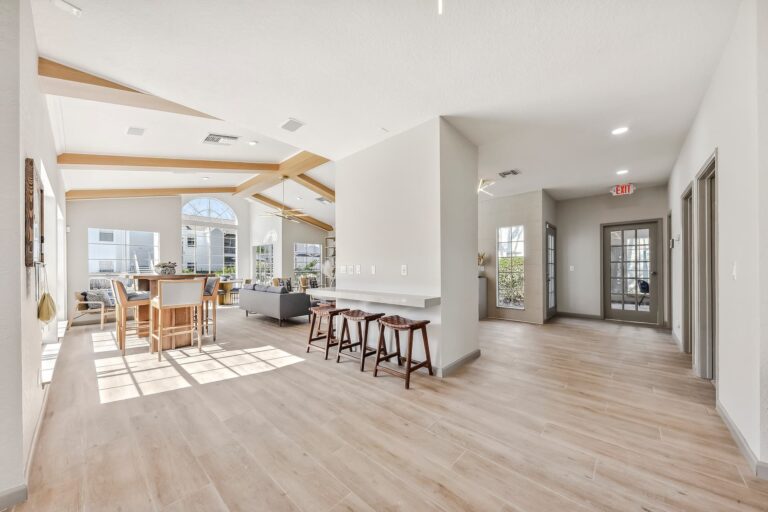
point(510, 267)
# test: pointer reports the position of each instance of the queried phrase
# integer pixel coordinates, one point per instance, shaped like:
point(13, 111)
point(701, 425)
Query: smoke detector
point(134, 130)
point(511, 172)
point(220, 140)
point(291, 125)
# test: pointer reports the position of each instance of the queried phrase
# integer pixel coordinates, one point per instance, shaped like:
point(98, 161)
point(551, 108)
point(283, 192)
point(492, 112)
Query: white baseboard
point(451, 368)
point(759, 468)
point(12, 496)
point(678, 342)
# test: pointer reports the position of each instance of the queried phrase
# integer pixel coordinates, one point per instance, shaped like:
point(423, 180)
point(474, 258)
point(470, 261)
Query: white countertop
point(396, 299)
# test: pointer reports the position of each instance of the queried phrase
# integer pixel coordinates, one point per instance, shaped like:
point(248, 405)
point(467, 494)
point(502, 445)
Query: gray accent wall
point(579, 242)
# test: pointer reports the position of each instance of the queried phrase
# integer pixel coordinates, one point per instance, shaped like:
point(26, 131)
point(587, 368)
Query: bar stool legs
point(330, 335)
point(345, 339)
point(402, 324)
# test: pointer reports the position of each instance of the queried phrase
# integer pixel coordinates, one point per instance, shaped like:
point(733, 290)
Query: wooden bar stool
point(125, 300)
point(316, 315)
point(210, 297)
point(177, 294)
point(345, 340)
point(397, 324)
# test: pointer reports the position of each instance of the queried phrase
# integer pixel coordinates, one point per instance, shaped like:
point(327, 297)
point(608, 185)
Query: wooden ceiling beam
point(173, 163)
point(315, 186)
point(297, 164)
point(280, 206)
point(60, 80)
point(143, 192)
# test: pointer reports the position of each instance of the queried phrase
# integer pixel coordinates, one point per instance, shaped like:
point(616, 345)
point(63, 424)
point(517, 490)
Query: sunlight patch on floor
point(141, 374)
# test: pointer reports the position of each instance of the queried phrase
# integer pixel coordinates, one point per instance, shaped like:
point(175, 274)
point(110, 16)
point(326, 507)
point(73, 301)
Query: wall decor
point(33, 215)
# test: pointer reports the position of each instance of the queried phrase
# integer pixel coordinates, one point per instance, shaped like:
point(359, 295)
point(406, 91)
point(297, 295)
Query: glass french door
point(551, 286)
point(630, 283)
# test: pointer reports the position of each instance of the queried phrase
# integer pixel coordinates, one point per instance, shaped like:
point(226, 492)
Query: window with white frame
point(263, 263)
point(510, 267)
point(306, 260)
point(120, 251)
point(209, 237)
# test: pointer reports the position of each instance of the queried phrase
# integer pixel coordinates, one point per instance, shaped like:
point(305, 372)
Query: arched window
point(209, 237)
point(209, 209)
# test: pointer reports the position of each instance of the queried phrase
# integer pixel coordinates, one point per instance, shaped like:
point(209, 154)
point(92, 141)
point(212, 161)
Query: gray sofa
point(273, 301)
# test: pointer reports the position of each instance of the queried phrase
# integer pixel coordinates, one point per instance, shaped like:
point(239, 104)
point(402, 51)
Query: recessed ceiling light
point(252, 142)
point(299, 198)
point(621, 172)
point(621, 130)
point(206, 178)
point(68, 7)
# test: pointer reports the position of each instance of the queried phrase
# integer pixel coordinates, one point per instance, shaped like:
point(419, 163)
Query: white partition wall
point(408, 206)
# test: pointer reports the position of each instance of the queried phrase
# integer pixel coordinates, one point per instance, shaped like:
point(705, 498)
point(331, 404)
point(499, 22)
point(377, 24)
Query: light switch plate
point(350, 269)
point(571, 268)
point(403, 270)
point(357, 269)
point(342, 269)
point(373, 270)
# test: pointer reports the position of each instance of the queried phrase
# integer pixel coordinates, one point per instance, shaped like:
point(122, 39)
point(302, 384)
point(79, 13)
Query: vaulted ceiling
point(537, 84)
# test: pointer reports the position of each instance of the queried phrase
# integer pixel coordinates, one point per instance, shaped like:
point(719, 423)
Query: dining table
point(171, 317)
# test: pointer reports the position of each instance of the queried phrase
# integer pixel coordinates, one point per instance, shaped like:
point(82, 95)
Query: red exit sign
point(624, 189)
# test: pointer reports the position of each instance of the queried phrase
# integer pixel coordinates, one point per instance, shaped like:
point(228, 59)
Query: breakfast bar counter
point(394, 299)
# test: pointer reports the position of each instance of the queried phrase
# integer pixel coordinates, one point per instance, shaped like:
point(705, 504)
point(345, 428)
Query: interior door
point(551, 285)
point(630, 273)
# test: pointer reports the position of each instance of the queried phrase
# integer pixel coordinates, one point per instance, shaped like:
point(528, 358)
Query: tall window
point(263, 263)
point(118, 251)
point(306, 260)
point(208, 236)
point(510, 274)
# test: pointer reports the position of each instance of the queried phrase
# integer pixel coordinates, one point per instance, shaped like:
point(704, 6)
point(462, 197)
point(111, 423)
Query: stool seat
point(401, 323)
point(325, 310)
point(359, 315)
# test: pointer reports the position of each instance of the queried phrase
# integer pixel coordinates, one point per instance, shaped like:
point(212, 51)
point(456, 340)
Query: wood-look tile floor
point(572, 416)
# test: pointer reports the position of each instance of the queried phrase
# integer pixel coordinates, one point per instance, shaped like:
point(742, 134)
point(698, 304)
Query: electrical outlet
point(571, 268)
point(403, 270)
point(373, 270)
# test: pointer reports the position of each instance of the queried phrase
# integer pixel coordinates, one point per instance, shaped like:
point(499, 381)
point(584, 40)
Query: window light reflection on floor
point(141, 374)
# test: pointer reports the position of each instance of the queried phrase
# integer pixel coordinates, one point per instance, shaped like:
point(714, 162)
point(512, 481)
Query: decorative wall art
point(33, 215)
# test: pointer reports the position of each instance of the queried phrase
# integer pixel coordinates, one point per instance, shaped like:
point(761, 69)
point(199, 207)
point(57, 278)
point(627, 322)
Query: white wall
point(458, 236)
point(728, 121)
point(390, 213)
point(579, 242)
point(24, 133)
point(156, 214)
point(521, 209)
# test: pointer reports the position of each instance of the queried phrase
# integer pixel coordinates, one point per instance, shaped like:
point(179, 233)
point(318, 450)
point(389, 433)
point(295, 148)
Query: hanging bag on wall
point(46, 307)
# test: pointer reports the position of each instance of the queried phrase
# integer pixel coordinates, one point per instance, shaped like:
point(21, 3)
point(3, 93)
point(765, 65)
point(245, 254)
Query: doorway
point(705, 312)
point(631, 272)
point(551, 257)
point(687, 240)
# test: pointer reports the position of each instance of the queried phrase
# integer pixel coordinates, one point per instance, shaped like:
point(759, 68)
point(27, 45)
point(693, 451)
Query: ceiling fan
point(289, 214)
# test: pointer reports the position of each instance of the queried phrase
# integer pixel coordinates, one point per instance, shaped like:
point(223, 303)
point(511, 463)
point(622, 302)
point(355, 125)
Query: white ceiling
point(538, 84)
point(299, 197)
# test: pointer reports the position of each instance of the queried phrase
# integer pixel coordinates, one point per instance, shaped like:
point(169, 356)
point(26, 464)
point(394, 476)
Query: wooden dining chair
point(124, 301)
point(174, 295)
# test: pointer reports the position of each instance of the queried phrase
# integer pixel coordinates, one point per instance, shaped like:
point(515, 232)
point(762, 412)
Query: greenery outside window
point(263, 263)
point(306, 260)
point(510, 265)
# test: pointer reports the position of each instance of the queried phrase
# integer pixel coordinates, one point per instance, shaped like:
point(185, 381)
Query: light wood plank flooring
point(572, 416)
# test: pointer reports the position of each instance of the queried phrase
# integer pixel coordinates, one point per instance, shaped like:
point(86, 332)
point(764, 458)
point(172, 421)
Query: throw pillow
point(103, 296)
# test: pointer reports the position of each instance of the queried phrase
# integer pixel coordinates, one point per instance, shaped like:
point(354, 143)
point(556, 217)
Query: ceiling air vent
point(291, 125)
point(220, 140)
point(511, 172)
